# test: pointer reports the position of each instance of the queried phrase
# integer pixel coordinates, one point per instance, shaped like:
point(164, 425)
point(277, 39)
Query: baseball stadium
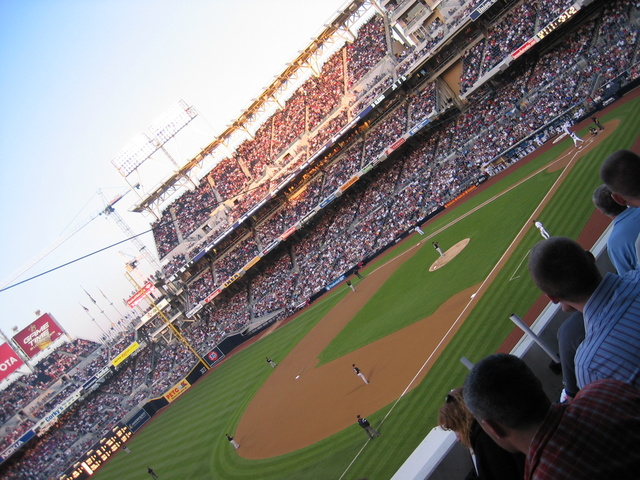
point(402, 127)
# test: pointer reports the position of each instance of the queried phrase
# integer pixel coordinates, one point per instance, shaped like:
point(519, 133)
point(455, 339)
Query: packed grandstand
point(421, 105)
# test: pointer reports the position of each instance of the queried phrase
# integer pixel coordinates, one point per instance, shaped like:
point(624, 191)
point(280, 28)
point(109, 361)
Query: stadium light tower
point(143, 146)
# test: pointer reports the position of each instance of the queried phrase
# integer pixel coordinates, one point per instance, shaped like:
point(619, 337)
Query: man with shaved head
point(594, 436)
point(620, 171)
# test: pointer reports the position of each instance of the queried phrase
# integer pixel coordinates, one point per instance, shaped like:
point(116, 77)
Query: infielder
point(540, 227)
point(364, 423)
point(360, 374)
point(353, 289)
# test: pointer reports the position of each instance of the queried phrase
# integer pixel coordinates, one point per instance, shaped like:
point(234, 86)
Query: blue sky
point(78, 80)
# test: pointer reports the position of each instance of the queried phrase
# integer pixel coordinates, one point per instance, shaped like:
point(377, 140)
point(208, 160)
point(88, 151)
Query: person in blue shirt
point(624, 232)
point(568, 275)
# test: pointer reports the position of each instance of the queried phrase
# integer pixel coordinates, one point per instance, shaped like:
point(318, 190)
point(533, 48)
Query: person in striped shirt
point(568, 275)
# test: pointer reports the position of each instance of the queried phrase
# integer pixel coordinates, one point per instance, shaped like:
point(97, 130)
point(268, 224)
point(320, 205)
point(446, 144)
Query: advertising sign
point(9, 361)
point(140, 295)
point(214, 356)
point(38, 335)
point(177, 390)
point(125, 354)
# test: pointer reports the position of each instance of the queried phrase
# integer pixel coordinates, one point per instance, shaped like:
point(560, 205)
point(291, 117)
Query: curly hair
point(455, 416)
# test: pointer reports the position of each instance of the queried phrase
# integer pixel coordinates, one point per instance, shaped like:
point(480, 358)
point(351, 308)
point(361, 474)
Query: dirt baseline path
point(289, 413)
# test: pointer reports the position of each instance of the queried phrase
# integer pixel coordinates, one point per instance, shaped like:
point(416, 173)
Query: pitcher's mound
point(449, 255)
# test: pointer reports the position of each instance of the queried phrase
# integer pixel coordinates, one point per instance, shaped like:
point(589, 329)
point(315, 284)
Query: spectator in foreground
point(594, 436)
point(622, 252)
point(490, 461)
point(620, 171)
point(568, 275)
point(625, 231)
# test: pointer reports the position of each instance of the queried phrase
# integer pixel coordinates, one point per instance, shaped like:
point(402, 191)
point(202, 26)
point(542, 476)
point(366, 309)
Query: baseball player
point(360, 374)
point(540, 227)
point(151, 472)
point(232, 441)
point(364, 423)
point(271, 362)
point(597, 122)
point(418, 230)
point(576, 139)
point(437, 247)
point(353, 289)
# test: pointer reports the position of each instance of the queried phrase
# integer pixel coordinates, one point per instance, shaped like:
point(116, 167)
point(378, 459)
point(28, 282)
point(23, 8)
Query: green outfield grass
point(187, 440)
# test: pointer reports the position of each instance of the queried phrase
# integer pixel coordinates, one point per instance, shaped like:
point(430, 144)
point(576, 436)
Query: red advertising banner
point(9, 361)
point(140, 294)
point(38, 335)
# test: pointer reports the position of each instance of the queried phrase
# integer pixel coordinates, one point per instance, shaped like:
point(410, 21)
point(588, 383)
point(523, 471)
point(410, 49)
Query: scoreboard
point(98, 454)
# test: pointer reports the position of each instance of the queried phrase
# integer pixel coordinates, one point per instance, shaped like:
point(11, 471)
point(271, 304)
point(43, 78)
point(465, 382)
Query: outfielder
point(271, 362)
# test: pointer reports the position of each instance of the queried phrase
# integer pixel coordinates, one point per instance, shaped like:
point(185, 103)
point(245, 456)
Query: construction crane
point(108, 211)
point(131, 266)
